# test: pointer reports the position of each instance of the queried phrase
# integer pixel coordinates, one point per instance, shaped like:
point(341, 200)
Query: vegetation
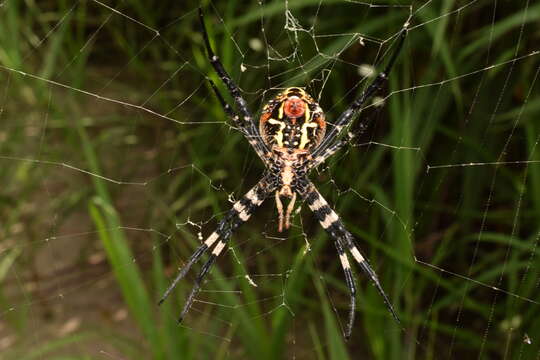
point(115, 155)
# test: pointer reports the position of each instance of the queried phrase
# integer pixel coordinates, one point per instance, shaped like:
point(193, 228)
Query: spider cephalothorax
point(291, 139)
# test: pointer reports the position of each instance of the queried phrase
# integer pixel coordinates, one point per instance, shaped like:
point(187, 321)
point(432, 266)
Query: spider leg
point(252, 139)
point(231, 86)
point(331, 223)
point(349, 280)
point(346, 117)
point(279, 206)
point(290, 209)
point(236, 216)
point(331, 150)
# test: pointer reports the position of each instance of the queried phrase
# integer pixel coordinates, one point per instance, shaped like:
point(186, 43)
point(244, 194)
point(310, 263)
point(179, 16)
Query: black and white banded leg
point(234, 91)
point(331, 223)
point(239, 214)
point(331, 150)
point(252, 139)
point(348, 115)
point(349, 280)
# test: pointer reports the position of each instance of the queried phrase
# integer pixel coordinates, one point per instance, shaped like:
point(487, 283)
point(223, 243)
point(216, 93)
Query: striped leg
point(334, 148)
point(234, 91)
point(239, 214)
point(349, 279)
point(253, 139)
point(343, 238)
point(348, 115)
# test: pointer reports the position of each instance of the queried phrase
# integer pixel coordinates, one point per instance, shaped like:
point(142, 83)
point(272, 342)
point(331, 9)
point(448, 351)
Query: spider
point(292, 139)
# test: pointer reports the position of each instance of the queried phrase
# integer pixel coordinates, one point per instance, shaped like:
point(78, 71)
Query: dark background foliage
point(115, 158)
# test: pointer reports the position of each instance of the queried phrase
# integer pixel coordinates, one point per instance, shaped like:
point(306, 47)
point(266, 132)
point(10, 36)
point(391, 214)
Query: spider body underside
point(292, 138)
point(291, 124)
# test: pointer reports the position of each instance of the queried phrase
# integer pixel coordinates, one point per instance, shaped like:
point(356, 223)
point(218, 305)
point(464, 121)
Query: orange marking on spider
point(294, 107)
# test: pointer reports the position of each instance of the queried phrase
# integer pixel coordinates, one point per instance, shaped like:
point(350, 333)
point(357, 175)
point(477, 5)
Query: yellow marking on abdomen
point(280, 113)
point(297, 89)
point(307, 112)
point(304, 139)
point(279, 135)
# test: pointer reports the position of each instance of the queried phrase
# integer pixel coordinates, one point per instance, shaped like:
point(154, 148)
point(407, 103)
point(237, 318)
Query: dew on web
point(118, 162)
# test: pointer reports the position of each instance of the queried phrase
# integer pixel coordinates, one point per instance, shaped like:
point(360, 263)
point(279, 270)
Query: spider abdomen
point(292, 120)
